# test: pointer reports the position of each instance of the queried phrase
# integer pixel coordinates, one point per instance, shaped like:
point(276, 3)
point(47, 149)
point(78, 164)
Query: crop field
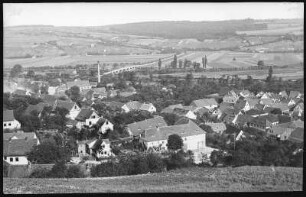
point(278, 31)
point(196, 179)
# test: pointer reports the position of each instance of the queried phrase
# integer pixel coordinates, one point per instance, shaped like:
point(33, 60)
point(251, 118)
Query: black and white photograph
point(152, 97)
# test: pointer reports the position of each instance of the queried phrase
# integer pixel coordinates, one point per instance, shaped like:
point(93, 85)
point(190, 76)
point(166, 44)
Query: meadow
point(195, 179)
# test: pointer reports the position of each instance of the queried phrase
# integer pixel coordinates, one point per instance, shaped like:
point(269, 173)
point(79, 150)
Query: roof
point(259, 106)
point(84, 114)
point(281, 106)
point(298, 123)
point(65, 104)
point(297, 135)
point(101, 90)
point(162, 133)
point(252, 101)
point(294, 94)
point(266, 101)
point(39, 107)
point(240, 104)
point(182, 120)
point(283, 94)
point(216, 126)
point(137, 127)
point(180, 111)
point(243, 119)
point(146, 106)
point(19, 135)
point(133, 105)
point(8, 115)
point(170, 108)
point(204, 102)
point(50, 99)
point(18, 147)
point(114, 104)
point(299, 105)
point(79, 83)
point(262, 120)
point(20, 92)
point(223, 106)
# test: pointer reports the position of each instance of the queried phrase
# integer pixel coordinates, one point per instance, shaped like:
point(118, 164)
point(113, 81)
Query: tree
point(175, 61)
point(260, 64)
point(159, 64)
point(269, 78)
point(48, 152)
point(74, 93)
point(188, 79)
point(16, 70)
point(180, 63)
point(59, 170)
point(175, 142)
point(30, 73)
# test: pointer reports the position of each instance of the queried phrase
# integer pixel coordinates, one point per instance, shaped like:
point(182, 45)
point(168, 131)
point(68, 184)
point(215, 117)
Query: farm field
point(73, 60)
point(278, 31)
point(196, 179)
point(285, 73)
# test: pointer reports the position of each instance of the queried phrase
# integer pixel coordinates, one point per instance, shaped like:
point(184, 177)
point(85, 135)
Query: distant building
point(9, 121)
point(136, 128)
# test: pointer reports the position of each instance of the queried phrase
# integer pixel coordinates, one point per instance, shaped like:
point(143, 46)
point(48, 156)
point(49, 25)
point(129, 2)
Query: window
point(11, 159)
point(89, 122)
point(93, 116)
point(4, 124)
point(75, 107)
point(16, 159)
point(9, 124)
point(81, 151)
point(4, 157)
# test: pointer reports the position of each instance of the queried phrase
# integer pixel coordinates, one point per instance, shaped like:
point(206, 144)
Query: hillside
point(241, 179)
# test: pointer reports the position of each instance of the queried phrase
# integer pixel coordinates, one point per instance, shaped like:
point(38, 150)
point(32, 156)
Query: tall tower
point(99, 77)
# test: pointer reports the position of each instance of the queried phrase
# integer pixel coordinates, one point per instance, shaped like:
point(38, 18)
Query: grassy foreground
point(196, 179)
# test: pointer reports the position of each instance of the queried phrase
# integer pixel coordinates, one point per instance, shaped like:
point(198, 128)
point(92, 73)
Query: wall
point(22, 160)
point(14, 124)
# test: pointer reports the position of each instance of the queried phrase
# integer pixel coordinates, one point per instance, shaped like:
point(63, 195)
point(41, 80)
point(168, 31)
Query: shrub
point(40, 173)
point(176, 160)
point(155, 163)
point(74, 172)
point(59, 170)
point(140, 164)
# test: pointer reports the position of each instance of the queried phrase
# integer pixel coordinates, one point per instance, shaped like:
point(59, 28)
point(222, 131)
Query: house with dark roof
point(181, 112)
point(284, 130)
point(9, 121)
point(264, 123)
point(38, 108)
point(136, 128)
point(17, 145)
point(297, 135)
point(170, 108)
point(231, 97)
point(218, 127)
point(105, 125)
point(86, 117)
point(209, 103)
point(72, 108)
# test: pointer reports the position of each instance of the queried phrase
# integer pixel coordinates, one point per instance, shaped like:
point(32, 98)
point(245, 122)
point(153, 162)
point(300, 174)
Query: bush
point(74, 172)
point(155, 163)
point(176, 160)
point(40, 173)
point(59, 170)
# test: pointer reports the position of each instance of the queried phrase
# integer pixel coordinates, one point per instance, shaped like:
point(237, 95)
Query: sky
point(99, 14)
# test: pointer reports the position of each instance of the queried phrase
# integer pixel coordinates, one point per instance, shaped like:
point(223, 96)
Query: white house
point(72, 107)
point(207, 103)
point(148, 107)
point(106, 125)
point(102, 148)
point(137, 106)
point(87, 117)
point(52, 90)
point(9, 121)
point(17, 145)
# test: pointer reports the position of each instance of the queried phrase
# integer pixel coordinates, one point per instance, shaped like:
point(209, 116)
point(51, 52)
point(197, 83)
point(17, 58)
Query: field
point(278, 31)
point(196, 179)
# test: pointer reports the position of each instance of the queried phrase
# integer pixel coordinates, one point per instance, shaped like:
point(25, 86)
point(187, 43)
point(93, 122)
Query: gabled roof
point(180, 111)
point(204, 102)
point(50, 99)
point(65, 104)
point(84, 114)
point(216, 126)
point(162, 133)
point(114, 104)
point(297, 135)
point(252, 112)
point(101, 90)
point(146, 106)
point(18, 147)
point(240, 104)
point(243, 119)
point(182, 120)
point(19, 135)
point(259, 106)
point(262, 120)
point(138, 127)
point(266, 101)
point(133, 105)
point(79, 83)
point(283, 94)
point(252, 101)
point(20, 92)
point(170, 108)
point(281, 106)
point(8, 115)
point(223, 106)
point(294, 94)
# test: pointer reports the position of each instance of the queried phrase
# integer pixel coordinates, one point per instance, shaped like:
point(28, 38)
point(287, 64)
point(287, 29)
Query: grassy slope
point(242, 179)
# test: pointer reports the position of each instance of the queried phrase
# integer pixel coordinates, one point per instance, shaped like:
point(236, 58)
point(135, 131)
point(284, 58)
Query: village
point(96, 121)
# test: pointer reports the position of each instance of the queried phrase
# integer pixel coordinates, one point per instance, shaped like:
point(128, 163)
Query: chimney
point(99, 77)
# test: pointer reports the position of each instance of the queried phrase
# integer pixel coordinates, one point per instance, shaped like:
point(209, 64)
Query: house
point(83, 147)
point(260, 94)
point(114, 105)
point(242, 120)
point(101, 148)
point(184, 113)
point(182, 120)
point(295, 94)
point(170, 108)
point(82, 84)
point(240, 136)
point(52, 90)
point(266, 102)
point(231, 97)
point(72, 108)
point(297, 135)
point(38, 108)
point(21, 92)
point(246, 93)
point(194, 138)
point(298, 109)
point(207, 103)
point(136, 128)
point(255, 112)
point(17, 145)
point(112, 93)
point(217, 127)
point(283, 94)
point(137, 106)
point(49, 99)
point(105, 125)
point(86, 117)
point(294, 102)
point(100, 93)
point(9, 121)
point(264, 123)
point(147, 107)
point(283, 107)
point(281, 131)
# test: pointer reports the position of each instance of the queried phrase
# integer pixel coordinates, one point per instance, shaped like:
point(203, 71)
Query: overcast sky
point(97, 14)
